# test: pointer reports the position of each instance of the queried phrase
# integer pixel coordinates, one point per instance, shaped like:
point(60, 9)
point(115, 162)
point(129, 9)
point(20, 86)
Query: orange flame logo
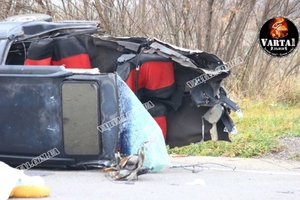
point(278, 28)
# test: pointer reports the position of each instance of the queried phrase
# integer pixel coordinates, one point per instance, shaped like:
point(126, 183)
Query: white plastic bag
point(138, 128)
point(9, 178)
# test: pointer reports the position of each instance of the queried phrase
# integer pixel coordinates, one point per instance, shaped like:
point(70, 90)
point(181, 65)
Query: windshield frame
point(4, 48)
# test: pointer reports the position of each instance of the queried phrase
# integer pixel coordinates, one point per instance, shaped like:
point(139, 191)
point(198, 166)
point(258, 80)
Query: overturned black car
point(44, 105)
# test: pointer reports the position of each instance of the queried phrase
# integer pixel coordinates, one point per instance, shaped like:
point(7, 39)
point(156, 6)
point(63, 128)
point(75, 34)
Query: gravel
point(291, 150)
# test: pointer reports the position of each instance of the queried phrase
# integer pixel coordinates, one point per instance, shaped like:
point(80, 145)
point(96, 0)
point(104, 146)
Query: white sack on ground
point(8, 178)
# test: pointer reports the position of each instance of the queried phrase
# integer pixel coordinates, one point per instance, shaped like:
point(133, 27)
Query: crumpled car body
point(190, 105)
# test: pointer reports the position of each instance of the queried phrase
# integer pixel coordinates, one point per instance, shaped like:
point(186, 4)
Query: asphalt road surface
point(186, 178)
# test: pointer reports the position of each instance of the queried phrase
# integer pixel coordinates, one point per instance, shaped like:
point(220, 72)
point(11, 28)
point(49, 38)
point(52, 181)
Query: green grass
point(262, 124)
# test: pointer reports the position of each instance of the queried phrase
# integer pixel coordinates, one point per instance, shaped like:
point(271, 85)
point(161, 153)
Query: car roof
point(21, 30)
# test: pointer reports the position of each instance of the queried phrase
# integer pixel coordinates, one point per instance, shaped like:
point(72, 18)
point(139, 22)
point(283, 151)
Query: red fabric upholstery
point(152, 76)
point(162, 122)
point(40, 52)
point(156, 75)
point(70, 53)
point(45, 61)
point(81, 61)
point(63, 51)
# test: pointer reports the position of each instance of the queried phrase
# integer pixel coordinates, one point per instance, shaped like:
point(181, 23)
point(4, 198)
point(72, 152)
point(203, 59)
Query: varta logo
point(278, 36)
point(277, 43)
